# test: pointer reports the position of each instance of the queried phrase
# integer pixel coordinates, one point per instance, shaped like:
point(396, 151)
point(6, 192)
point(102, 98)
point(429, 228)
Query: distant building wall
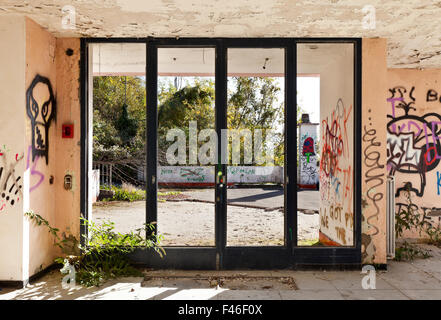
point(308, 175)
point(204, 175)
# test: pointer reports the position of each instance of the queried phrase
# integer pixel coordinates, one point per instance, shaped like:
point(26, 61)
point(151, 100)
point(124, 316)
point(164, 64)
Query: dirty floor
point(420, 279)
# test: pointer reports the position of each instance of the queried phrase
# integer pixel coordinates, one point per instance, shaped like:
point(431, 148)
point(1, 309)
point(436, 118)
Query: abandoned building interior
point(276, 181)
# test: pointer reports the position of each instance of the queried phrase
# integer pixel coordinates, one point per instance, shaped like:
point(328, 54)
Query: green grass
point(312, 243)
point(130, 193)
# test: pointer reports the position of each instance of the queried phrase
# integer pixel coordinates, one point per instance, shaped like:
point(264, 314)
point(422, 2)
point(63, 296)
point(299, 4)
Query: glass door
point(187, 146)
point(255, 142)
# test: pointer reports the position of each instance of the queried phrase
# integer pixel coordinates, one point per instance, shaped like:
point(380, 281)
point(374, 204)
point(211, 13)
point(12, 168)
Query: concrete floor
point(266, 198)
point(254, 218)
point(420, 279)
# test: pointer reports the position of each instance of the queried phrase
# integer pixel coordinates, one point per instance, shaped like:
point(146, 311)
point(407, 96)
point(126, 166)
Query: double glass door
point(216, 151)
point(251, 149)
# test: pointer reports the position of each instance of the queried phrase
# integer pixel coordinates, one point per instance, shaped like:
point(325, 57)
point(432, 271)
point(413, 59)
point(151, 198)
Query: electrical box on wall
point(68, 131)
point(68, 182)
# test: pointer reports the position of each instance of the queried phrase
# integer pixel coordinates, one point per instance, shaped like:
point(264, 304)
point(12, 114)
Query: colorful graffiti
point(308, 168)
point(308, 148)
point(41, 109)
point(335, 139)
point(413, 145)
point(414, 148)
point(336, 175)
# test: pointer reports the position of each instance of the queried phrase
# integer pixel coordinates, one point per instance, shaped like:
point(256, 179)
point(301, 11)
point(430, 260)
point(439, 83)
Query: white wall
point(334, 63)
point(205, 175)
point(12, 143)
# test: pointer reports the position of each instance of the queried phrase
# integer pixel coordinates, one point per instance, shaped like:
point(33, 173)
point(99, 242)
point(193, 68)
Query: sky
point(308, 96)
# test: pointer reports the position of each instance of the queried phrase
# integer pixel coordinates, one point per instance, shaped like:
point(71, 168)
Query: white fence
point(205, 175)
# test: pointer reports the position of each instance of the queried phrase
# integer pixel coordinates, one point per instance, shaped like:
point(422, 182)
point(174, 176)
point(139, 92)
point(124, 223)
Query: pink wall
point(50, 157)
point(68, 151)
point(40, 155)
point(373, 171)
point(414, 148)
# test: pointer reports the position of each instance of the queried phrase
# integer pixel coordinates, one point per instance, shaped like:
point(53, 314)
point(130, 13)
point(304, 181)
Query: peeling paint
point(411, 26)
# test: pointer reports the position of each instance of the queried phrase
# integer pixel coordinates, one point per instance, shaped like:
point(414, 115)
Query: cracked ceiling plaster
point(412, 27)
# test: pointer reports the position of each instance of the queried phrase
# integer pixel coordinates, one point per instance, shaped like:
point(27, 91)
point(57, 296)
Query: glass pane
point(118, 112)
point(187, 145)
point(256, 125)
point(325, 131)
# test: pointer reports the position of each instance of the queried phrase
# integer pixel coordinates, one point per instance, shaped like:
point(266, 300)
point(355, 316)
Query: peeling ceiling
point(412, 27)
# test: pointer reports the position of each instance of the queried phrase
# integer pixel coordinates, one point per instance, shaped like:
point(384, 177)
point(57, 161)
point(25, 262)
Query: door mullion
point(151, 149)
point(221, 123)
point(290, 147)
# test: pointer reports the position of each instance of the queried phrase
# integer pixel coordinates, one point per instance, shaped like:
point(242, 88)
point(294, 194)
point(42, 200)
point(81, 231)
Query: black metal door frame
point(222, 256)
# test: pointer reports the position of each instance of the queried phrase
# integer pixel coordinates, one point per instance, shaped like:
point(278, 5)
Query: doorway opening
point(242, 152)
point(117, 126)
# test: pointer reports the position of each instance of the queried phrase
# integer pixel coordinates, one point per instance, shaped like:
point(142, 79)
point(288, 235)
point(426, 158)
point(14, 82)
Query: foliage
point(105, 254)
point(177, 107)
point(125, 193)
point(434, 234)
point(119, 116)
point(39, 220)
point(126, 125)
point(408, 252)
point(119, 113)
point(409, 218)
point(191, 103)
point(253, 104)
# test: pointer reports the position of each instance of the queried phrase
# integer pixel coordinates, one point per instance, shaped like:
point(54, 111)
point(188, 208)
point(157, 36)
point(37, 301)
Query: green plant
point(408, 252)
point(409, 218)
point(434, 234)
point(105, 253)
point(127, 195)
point(39, 220)
point(125, 192)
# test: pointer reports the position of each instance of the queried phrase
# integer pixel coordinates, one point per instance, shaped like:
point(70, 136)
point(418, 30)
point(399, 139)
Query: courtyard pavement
point(265, 198)
point(419, 279)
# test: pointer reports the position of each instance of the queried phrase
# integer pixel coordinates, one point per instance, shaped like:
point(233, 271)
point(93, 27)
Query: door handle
point(220, 180)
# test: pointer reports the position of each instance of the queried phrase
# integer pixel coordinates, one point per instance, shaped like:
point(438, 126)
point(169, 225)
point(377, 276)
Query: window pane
point(325, 97)
point(186, 146)
point(256, 126)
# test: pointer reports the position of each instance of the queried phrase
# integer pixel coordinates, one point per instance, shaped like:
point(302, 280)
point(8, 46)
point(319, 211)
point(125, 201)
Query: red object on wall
point(68, 131)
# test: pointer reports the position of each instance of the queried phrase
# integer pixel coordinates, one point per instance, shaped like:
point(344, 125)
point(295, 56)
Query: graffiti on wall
point(372, 180)
point(413, 140)
point(41, 110)
point(10, 183)
point(308, 169)
point(36, 176)
point(336, 175)
point(194, 175)
point(413, 147)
